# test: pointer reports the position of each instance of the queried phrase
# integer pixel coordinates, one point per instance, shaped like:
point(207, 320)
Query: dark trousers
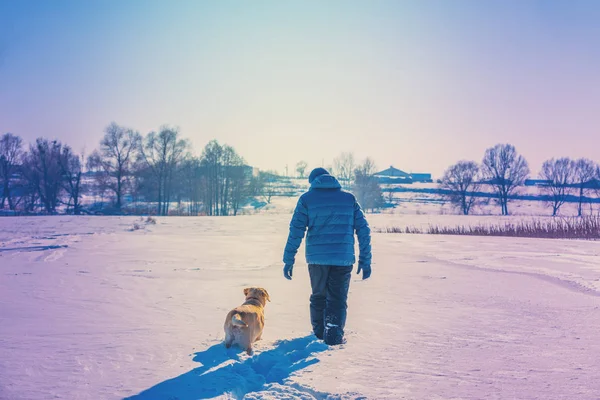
point(328, 302)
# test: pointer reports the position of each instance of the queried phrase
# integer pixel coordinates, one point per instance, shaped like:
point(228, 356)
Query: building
point(421, 177)
point(591, 184)
point(250, 171)
point(537, 182)
point(394, 175)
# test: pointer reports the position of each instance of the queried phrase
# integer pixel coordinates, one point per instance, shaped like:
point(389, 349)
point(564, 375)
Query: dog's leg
point(228, 339)
point(246, 344)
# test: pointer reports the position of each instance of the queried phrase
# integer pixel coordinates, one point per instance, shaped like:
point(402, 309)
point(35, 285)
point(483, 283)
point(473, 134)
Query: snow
point(91, 309)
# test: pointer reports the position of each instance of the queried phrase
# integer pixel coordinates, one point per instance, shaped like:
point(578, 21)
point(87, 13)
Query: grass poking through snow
point(556, 228)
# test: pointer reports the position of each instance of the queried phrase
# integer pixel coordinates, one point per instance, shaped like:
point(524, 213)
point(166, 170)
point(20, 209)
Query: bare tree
point(143, 186)
point(231, 164)
point(344, 167)
point(389, 197)
point(11, 150)
point(301, 168)
point(43, 171)
point(71, 166)
point(101, 179)
point(585, 171)
point(597, 183)
point(366, 187)
point(505, 170)
point(268, 187)
point(162, 153)
point(560, 174)
point(237, 179)
point(118, 148)
point(212, 165)
point(226, 180)
point(462, 181)
point(240, 185)
point(368, 166)
point(29, 187)
point(192, 183)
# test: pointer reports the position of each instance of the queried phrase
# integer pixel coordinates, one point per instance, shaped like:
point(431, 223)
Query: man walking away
point(332, 217)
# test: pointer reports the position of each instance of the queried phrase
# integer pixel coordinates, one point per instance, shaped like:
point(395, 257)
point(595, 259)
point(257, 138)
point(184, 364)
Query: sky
point(416, 84)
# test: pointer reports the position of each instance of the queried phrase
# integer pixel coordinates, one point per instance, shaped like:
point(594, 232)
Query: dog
point(244, 324)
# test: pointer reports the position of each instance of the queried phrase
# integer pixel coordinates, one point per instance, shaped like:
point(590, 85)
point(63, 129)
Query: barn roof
point(391, 171)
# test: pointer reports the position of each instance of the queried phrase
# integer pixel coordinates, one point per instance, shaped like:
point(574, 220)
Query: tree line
point(500, 176)
point(127, 168)
point(505, 171)
point(133, 173)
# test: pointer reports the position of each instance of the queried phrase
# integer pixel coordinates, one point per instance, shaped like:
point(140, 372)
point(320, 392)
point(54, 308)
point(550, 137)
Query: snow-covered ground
point(91, 309)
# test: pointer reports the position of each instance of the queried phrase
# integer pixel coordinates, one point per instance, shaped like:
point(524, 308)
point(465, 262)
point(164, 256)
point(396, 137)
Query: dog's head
point(257, 293)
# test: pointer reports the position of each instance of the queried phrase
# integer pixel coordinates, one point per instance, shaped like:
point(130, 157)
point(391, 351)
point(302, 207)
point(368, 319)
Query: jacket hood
point(325, 181)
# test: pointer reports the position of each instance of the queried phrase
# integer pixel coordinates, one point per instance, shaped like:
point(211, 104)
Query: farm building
point(394, 175)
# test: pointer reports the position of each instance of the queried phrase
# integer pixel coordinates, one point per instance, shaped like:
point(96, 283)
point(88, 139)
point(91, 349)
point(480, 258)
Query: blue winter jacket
point(332, 216)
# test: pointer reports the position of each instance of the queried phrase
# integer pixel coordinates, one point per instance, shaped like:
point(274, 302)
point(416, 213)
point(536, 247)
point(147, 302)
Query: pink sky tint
point(416, 84)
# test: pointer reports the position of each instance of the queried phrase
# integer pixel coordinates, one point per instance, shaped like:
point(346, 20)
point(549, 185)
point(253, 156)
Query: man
point(332, 216)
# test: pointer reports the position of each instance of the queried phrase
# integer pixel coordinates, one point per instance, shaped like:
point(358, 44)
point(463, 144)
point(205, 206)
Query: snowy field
point(90, 309)
point(416, 203)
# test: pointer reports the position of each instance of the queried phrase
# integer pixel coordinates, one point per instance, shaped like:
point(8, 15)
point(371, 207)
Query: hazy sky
point(417, 84)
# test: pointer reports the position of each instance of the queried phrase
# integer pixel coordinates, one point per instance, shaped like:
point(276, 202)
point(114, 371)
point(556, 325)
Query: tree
point(11, 151)
point(162, 153)
point(301, 168)
point(71, 166)
point(240, 187)
point(239, 177)
point(389, 197)
point(596, 186)
point(267, 185)
point(232, 165)
point(117, 150)
point(462, 181)
point(505, 170)
point(366, 187)
point(192, 183)
point(211, 163)
point(585, 171)
point(560, 173)
point(101, 179)
point(42, 170)
point(344, 167)
point(368, 166)
point(143, 187)
point(227, 180)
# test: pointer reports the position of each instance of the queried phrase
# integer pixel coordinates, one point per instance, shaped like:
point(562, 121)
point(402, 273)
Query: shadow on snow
point(224, 372)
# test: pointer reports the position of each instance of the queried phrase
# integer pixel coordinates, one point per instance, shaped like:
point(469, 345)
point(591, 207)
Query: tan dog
point(244, 324)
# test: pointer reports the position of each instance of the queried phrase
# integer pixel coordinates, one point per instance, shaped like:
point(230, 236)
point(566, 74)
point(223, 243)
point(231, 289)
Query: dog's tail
point(236, 320)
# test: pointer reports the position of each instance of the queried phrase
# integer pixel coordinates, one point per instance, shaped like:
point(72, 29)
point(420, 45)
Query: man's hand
point(366, 270)
point(287, 271)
